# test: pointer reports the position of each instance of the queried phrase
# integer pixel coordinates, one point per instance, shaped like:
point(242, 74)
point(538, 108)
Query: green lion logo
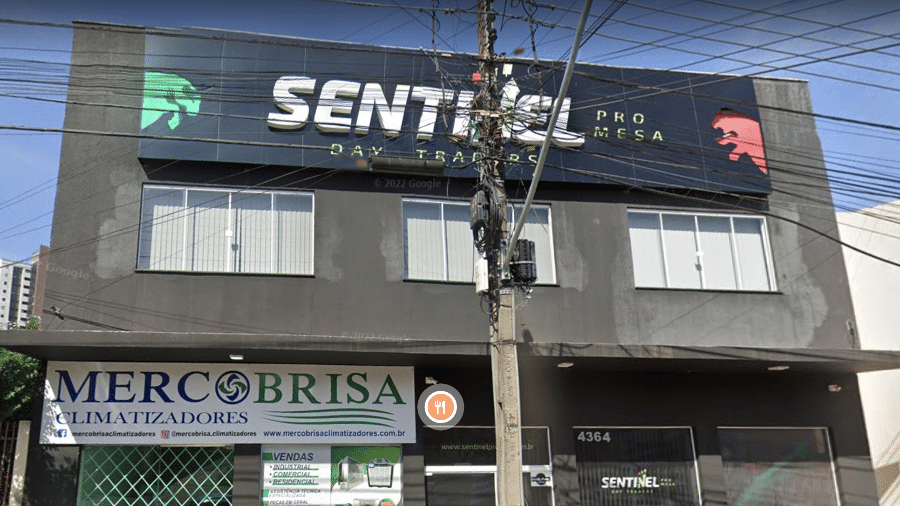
point(168, 93)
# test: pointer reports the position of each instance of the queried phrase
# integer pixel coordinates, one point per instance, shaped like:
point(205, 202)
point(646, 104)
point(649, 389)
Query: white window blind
point(646, 249)
point(700, 251)
point(679, 239)
point(424, 239)
point(460, 244)
point(438, 244)
point(206, 236)
point(220, 230)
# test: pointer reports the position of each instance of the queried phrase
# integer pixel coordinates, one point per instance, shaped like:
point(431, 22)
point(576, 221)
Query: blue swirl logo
point(232, 387)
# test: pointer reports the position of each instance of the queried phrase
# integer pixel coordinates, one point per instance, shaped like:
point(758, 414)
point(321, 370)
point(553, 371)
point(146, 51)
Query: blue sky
point(722, 36)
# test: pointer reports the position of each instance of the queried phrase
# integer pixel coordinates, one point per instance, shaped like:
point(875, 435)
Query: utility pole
point(509, 263)
point(501, 291)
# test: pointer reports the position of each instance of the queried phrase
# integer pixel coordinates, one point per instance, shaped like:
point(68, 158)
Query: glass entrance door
point(460, 467)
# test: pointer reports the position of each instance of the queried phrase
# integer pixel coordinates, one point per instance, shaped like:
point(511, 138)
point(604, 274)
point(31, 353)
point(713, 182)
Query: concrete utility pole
point(489, 224)
point(504, 360)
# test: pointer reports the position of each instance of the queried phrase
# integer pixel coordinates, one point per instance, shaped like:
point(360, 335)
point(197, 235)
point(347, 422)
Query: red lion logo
point(746, 135)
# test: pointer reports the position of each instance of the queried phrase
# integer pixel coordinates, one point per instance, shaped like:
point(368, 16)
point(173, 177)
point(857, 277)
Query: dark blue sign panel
point(230, 97)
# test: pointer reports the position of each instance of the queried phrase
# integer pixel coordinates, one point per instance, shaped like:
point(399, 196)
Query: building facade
point(262, 310)
point(872, 285)
point(14, 308)
point(19, 292)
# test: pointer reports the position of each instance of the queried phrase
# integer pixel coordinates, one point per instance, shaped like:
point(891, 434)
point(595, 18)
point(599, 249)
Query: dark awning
point(112, 346)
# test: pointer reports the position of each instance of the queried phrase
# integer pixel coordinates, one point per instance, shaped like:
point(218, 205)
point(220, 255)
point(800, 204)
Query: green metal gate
point(155, 476)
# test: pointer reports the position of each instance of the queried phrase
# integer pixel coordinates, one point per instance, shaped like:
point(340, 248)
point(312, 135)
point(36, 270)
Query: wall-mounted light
point(236, 357)
point(565, 365)
point(779, 367)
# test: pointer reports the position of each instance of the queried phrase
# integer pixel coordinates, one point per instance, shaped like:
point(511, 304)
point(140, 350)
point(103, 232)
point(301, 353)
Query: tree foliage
point(19, 380)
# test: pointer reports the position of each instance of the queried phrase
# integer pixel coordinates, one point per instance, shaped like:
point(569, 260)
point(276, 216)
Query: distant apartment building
point(16, 293)
point(21, 291)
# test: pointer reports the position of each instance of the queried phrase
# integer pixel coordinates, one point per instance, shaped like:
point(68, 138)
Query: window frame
point(766, 245)
point(230, 191)
point(696, 456)
point(446, 269)
point(484, 469)
point(467, 203)
point(829, 449)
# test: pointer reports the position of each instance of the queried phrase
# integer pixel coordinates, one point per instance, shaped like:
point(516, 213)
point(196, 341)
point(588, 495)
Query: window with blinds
point(438, 243)
point(221, 230)
point(700, 251)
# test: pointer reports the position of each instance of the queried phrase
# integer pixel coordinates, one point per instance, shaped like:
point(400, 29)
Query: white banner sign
point(157, 403)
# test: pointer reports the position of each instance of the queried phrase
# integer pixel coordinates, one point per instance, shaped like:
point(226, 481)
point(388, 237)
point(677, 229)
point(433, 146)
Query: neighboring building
point(284, 306)
point(16, 293)
point(22, 287)
point(874, 284)
point(40, 265)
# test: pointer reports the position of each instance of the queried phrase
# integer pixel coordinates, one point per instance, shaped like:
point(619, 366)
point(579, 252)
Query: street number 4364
point(594, 437)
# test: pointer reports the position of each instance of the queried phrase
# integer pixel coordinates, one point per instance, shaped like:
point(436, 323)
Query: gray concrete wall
point(99, 188)
point(358, 287)
point(807, 252)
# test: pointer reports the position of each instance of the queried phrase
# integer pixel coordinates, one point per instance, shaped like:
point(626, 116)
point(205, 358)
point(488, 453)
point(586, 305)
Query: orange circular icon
point(440, 407)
